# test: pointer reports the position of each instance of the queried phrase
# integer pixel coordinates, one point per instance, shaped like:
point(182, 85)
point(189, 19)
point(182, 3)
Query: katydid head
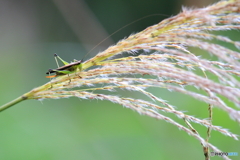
point(50, 71)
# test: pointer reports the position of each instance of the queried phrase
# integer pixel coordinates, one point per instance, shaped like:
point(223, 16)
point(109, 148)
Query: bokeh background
point(32, 31)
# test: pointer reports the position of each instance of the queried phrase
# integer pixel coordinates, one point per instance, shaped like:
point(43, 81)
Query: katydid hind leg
point(64, 62)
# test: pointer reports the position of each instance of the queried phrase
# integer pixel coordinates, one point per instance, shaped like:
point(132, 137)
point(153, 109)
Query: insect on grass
point(66, 69)
point(76, 65)
point(170, 65)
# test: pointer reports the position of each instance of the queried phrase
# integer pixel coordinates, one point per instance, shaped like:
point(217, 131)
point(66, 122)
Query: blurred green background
point(32, 31)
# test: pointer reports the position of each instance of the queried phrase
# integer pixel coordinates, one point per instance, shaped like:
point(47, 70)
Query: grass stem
point(13, 102)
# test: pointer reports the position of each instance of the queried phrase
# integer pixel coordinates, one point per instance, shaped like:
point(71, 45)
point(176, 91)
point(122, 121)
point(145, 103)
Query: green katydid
point(66, 69)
